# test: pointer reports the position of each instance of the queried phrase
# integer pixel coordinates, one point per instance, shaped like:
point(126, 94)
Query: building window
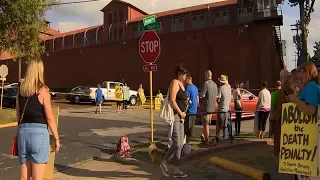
point(58, 44)
point(47, 45)
point(115, 16)
point(121, 34)
point(110, 17)
point(93, 39)
point(99, 37)
point(244, 14)
point(198, 21)
point(121, 15)
point(136, 32)
point(177, 24)
point(221, 18)
point(80, 40)
point(115, 38)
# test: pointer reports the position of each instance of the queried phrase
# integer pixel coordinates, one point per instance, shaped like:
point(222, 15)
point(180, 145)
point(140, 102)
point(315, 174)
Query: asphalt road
point(85, 135)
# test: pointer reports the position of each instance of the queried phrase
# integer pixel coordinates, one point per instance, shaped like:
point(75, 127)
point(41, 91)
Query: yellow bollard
point(48, 174)
point(240, 168)
point(157, 103)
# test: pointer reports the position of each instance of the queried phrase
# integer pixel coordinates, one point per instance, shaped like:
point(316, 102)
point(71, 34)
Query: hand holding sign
point(299, 142)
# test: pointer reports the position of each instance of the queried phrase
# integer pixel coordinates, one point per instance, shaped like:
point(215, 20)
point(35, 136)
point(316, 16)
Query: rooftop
point(189, 9)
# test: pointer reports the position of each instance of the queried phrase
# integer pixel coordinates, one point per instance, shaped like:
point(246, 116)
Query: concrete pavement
point(85, 135)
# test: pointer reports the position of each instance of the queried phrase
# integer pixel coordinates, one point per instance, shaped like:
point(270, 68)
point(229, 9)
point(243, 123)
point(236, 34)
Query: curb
point(240, 168)
point(8, 125)
point(204, 151)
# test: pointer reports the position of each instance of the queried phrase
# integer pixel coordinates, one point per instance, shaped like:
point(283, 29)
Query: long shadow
point(112, 174)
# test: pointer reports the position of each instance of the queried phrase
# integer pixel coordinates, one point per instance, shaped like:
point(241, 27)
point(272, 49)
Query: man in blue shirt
point(99, 98)
point(193, 95)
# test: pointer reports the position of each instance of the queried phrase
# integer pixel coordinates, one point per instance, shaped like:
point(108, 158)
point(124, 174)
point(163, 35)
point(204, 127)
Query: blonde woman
point(34, 107)
point(141, 96)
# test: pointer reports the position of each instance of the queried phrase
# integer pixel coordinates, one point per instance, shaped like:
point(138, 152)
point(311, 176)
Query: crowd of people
point(300, 87)
point(33, 109)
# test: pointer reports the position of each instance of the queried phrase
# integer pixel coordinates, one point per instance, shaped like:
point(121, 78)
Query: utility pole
point(296, 40)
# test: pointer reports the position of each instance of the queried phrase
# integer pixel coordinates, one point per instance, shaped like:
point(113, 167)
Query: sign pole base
point(151, 105)
point(2, 84)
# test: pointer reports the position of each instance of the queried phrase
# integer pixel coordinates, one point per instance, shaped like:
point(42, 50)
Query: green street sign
point(154, 26)
point(149, 20)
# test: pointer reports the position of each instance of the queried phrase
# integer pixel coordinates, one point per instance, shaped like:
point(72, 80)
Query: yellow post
point(151, 105)
point(2, 84)
point(48, 174)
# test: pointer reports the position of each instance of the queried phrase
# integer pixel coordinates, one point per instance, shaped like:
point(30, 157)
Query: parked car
point(80, 94)
point(53, 94)
point(108, 89)
point(249, 102)
point(9, 97)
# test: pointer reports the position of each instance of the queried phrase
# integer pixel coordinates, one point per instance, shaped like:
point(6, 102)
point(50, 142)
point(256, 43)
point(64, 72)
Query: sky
point(75, 16)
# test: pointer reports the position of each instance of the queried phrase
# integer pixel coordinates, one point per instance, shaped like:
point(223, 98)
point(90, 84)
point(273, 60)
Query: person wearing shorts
point(99, 99)
point(208, 95)
point(224, 99)
point(192, 93)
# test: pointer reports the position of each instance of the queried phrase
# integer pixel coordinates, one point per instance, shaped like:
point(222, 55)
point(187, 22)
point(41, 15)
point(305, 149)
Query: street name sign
point(149, 20)
point(153, 26)
point(150, 67)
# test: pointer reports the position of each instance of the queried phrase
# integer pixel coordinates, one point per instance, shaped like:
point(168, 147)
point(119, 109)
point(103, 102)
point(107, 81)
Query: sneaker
point(164, 170)
point(179, 174)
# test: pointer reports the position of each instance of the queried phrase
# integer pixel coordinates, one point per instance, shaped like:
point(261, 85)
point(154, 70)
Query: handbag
point(167, 111)
point(238, 104)
point(14, 143)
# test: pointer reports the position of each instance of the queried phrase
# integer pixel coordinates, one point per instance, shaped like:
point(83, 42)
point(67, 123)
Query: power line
point(75, 2)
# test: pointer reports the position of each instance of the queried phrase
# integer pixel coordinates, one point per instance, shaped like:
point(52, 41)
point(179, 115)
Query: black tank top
point(180, 99)
point(34, 112)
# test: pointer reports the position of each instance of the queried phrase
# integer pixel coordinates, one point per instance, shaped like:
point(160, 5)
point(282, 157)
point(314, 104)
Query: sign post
point(149, 50)
point(3, 75)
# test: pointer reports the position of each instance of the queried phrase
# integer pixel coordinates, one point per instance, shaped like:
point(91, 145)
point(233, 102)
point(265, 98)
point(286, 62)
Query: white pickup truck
point(108, 89)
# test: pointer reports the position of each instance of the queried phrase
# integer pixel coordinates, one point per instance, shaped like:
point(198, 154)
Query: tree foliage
point(21, 22)
point(316, 51)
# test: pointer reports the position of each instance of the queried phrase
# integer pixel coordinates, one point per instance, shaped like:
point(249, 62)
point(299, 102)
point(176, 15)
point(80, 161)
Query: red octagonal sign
point(149, 46)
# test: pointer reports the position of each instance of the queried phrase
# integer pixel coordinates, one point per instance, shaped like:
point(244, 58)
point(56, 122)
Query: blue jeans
point(33, 143)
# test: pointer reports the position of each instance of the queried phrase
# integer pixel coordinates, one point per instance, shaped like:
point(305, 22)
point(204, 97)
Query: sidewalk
point(107, 168)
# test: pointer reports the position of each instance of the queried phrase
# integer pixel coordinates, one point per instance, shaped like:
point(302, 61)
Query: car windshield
point(246, 94)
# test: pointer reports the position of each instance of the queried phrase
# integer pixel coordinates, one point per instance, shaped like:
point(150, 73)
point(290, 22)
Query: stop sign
point(149, 46)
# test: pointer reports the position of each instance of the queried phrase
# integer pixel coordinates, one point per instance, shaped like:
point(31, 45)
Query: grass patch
point(7, 116)
point(257, 155)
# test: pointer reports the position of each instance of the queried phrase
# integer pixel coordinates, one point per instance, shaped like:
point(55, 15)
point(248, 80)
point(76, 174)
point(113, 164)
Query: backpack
point(123, 146)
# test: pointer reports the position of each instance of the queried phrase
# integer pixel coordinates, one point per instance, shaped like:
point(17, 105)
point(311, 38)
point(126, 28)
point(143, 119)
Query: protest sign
point(299, 142)
point(118, 93)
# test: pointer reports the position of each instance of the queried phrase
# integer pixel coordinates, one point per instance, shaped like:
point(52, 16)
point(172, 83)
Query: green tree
point(316, 51)
point(306, 7)
point(21, 22)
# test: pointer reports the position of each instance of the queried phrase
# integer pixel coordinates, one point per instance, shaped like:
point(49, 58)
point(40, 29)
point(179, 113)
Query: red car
point(249, 103)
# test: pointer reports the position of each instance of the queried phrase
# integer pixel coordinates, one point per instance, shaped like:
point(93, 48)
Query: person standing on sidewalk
point(193, 94)
point(33, 108)
point(237, 96)
point(126, 90)
point(178, 100)
point(263, 108)
point(209, 96)
point(274, 101)
point(99, 99)
point(224, 99)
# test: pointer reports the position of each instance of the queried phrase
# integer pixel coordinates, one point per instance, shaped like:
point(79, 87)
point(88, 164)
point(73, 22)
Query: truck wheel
point(133, 100)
